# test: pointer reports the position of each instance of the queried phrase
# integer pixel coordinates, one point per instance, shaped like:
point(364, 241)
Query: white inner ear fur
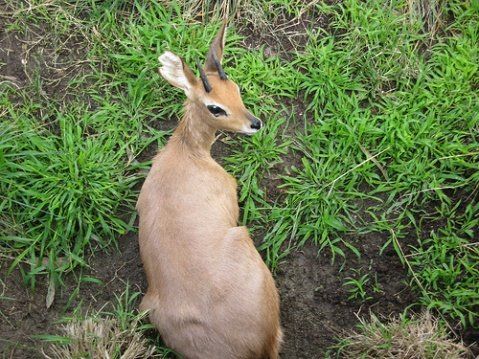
point(172, 71)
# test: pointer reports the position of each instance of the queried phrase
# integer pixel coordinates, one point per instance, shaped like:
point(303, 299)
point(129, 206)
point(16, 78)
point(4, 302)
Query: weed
point(116, 334)
point(391, 132)
point(255, 158)
point(64, 190)
point(356, 287)
point(421, 337)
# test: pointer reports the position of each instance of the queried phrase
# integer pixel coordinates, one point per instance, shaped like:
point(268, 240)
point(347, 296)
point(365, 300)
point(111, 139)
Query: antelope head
point(217, 98)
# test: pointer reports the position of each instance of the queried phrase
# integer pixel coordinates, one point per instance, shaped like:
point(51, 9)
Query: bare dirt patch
point(282, 33)
point(34, 55)
point(315, 307)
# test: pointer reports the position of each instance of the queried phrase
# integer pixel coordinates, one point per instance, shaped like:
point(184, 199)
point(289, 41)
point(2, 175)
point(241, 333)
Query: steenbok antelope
point(210, 295)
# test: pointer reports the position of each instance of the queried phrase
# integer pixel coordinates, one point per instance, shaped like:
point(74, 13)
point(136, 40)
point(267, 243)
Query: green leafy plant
point(356, 287)
point(64, 190)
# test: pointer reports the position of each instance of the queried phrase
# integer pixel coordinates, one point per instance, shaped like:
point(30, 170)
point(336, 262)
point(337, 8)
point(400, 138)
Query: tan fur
point(209, 294)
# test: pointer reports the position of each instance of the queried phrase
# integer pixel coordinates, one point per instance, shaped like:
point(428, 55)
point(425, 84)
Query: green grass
point(65, 190)
point(371, 126)
point(356, 286)
point(393, 125)
point(251, 162)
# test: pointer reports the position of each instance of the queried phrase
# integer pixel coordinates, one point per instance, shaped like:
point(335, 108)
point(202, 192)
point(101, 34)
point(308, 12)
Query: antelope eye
point(216, 110)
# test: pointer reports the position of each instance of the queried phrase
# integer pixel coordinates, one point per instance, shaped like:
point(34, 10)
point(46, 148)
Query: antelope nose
point(256, 124)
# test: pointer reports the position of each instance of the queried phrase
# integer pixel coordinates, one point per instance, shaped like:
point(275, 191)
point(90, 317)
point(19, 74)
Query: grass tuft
point(65, 189)
point(421, 337)
point(116, 334)
point(100, 338)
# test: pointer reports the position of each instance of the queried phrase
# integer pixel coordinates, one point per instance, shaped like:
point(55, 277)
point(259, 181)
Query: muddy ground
point(314, 304)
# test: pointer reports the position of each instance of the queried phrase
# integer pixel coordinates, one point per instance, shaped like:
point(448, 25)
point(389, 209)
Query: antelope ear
point(216, 48)
point(177, 73)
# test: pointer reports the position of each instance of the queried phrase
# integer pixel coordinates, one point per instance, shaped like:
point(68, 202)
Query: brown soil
point(34, 54)
point(281, 34)
point(316, 308)
point(315, 305)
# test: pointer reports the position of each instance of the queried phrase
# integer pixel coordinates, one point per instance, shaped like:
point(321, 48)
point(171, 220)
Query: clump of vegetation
point(101, 338)
point(115, 334)
point(389, 145)
point(422, 337)
point(64, 188)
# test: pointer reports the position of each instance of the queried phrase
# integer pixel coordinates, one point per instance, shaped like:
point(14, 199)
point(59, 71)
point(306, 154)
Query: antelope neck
point(193, 132)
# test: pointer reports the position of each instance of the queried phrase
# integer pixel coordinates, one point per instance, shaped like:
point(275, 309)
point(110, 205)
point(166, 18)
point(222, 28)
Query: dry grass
point(428, 13)
point(101, 339)
point(208, 9)
point(419, 338)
